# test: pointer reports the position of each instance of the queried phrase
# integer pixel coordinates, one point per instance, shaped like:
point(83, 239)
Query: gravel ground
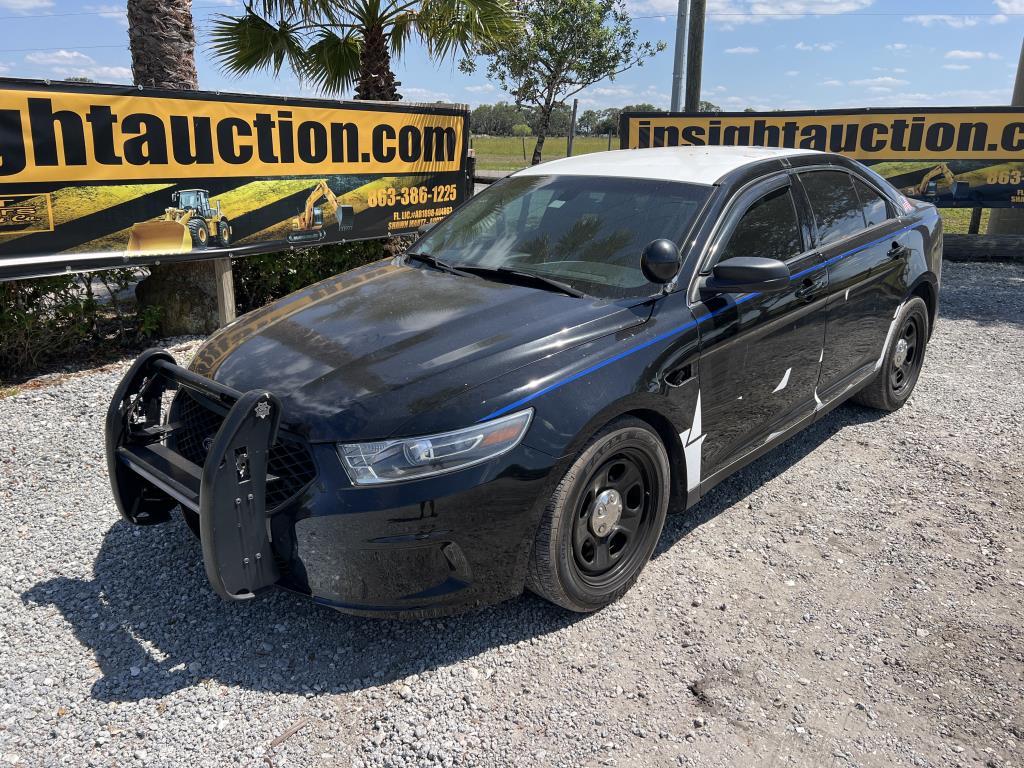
point(853, 598)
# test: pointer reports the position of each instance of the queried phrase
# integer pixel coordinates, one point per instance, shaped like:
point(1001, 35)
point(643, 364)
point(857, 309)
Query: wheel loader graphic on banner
point(190, 224)
point(308, 226)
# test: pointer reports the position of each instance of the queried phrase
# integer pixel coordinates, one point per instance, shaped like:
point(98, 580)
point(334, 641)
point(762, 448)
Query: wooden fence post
point(225, 291)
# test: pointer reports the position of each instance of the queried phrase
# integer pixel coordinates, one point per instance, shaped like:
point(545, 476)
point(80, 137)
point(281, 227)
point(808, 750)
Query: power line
point(63, 48)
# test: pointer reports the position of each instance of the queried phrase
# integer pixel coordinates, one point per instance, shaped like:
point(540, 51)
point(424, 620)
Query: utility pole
point(1010, 221)
point(679, 67)
point(572, 128)
point(695, 54)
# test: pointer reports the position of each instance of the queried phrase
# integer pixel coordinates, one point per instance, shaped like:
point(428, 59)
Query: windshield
point(585, 231)
point(190, 199)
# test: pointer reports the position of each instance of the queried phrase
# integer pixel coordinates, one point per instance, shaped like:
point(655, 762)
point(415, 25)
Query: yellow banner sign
point(988, 133)
point(94, 176)
point(51, 135)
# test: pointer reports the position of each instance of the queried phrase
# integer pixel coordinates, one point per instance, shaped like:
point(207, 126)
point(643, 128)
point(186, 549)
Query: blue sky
point(786, 54)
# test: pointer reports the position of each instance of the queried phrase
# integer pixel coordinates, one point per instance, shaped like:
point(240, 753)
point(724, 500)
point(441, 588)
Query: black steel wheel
point(604, 519)
point(901, 360)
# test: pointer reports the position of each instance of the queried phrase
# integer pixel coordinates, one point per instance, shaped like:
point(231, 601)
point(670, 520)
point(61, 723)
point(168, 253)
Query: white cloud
point(824, 47)
point(63, 63)
point(968, 55)
point(880, 89)
point(58, 58)
point(956, 67)
point(741, 49)
point(956, 22)
point(832, 83)
point(731, 12)
point(113, 12)
point(26, 6)
point(792, 72)
point(424, 94)
point(1007, 6)
point(485, 88)
point(878, 81)
point(896, 47)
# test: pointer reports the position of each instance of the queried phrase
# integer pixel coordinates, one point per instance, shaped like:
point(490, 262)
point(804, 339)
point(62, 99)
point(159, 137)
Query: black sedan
point(518, 401)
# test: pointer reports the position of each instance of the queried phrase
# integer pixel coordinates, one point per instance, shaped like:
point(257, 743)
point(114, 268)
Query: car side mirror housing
point(748, 274)
point(660, 261)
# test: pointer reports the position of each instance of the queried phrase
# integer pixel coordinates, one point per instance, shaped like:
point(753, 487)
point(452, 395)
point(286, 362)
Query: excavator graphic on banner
point(308, 226)
point(928, 187)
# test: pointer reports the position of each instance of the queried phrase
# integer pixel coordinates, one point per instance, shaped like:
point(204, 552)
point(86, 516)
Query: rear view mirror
point(660, 261)
point(747, 274)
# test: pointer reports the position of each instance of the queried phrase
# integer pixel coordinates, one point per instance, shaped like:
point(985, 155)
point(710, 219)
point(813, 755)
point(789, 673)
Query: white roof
point(697, 165)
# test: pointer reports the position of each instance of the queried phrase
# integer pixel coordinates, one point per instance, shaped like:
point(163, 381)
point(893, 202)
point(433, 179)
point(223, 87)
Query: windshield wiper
point(532, 277)
point(436, 263)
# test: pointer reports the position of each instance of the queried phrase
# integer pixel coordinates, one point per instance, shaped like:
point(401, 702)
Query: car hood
point(358, 355)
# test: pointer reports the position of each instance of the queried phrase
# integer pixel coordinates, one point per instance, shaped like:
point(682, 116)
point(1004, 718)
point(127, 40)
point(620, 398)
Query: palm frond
point(332, 62)
point(250, 43)
point(403, 26)
point(447, 27)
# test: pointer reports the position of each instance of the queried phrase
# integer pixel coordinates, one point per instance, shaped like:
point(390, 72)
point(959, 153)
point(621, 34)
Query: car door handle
point(897, 251)
point(808, 288)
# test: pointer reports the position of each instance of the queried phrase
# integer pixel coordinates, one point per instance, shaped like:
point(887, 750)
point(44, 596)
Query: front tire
point(200, 233)
point(901, 361)
point(603, 521)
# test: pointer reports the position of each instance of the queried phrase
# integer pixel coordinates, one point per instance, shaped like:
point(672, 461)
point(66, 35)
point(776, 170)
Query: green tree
point(341, 44)
point(707, 106)
point(497, 119)
point(565, 46)
point(522, 129)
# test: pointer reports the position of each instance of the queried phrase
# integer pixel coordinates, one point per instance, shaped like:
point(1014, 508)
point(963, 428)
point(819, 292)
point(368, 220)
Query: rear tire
point(901, 361)
point(200, 233)
point(604, 519)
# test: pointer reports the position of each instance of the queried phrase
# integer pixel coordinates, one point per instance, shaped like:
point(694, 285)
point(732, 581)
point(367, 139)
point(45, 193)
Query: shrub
point(263, 278)
point(56, 318)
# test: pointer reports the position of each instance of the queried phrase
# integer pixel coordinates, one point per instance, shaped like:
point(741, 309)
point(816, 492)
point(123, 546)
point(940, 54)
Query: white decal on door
point(692, 440)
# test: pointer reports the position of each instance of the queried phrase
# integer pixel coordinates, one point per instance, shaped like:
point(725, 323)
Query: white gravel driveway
point(856, 597)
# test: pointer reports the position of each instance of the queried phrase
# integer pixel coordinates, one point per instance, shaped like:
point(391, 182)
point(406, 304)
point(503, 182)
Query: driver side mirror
point(660, 261)
point(748, 274)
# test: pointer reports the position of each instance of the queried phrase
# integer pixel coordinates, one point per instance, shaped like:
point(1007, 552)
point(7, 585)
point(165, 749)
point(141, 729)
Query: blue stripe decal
point(675, 331)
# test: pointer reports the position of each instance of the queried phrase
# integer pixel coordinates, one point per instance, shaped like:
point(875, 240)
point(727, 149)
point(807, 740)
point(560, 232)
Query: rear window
point(834, 203)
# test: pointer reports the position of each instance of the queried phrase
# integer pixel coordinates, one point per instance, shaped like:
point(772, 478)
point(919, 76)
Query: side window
point(873, 204)
point(769, 229)
point(834, 202)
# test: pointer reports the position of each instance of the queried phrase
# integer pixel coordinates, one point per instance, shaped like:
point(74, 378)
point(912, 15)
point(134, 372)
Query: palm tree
point(337, 45)
point(162, 39)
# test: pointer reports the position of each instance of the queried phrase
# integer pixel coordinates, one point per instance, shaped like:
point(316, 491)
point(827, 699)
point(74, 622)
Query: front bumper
point(423, 547)
point(430, 546)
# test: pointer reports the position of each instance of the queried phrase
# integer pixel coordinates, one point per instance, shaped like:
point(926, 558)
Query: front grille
point(290, 460)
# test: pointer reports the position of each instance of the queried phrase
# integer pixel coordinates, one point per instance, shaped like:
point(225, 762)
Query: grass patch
point(506, 153)
point(956, 221)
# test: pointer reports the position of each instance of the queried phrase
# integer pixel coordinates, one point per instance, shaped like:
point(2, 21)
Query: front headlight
point(389, 461)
